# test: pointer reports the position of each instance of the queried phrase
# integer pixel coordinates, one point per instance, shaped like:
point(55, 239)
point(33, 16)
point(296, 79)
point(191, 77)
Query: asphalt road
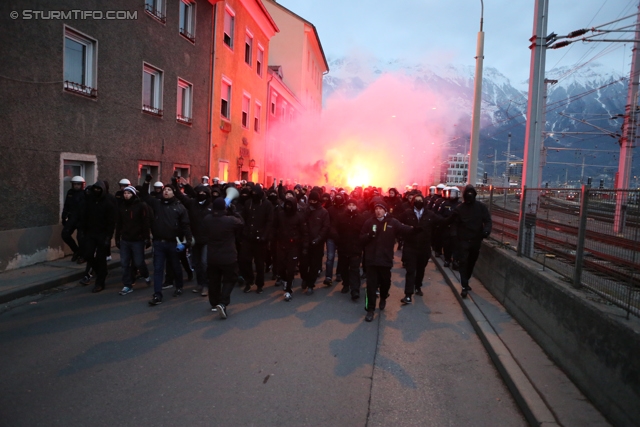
point(72, 358)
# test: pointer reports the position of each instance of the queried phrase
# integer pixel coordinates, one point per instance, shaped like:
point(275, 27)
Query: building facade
point(102, 98)
point(243, 29)
point(457, 169)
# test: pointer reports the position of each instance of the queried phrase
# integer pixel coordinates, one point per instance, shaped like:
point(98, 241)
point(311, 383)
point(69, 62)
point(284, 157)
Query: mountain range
point(583, 117)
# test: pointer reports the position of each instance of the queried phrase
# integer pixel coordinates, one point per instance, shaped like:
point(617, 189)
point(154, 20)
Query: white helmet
point(205, 179)
point(158, 184)
point(432, 190)
point(440, 186)
point(77, 179)
point(124, 181)
point(216, 180)
point(454, 193)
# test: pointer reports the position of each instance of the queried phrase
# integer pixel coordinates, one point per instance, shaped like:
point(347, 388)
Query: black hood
point(469, 194)
point(290, 206)
point(101, 185)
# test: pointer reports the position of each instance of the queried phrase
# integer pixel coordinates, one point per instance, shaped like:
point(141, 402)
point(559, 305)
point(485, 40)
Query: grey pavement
point(78, 358)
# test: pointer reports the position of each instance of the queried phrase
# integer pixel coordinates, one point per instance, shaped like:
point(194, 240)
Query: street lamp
point(477, 100)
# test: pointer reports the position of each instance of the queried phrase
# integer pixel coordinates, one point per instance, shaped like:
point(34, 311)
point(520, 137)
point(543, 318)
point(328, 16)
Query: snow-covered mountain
point(583, 100)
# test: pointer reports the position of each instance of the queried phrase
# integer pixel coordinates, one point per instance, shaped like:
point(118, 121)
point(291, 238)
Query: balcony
point(152, 110)
point(155, 13)
point(87, 91)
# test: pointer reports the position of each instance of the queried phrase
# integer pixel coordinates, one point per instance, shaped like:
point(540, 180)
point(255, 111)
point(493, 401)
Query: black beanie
point(314, 196)
point(218, 204)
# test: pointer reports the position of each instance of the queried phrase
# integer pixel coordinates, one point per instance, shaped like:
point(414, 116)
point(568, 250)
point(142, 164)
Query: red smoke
point(390, 135)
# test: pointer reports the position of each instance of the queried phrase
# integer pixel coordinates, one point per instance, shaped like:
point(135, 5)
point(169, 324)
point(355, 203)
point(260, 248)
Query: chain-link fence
point(589, 236)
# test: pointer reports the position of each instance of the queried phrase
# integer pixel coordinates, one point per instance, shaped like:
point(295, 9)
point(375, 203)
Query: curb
point(43, 285)
point(532, 405)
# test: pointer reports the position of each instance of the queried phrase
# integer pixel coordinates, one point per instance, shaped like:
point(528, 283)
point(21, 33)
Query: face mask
point(313, 204)
point(201, 197)
point(352, 209)
point(418, 204)
point(469, 197)
point(289, 208)
point(256, 197)
point(339, 201)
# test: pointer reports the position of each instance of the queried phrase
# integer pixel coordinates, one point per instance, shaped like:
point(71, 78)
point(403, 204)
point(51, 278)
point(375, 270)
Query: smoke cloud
point(390, 135)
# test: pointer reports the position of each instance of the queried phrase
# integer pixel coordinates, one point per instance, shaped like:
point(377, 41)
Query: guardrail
point(590, 236)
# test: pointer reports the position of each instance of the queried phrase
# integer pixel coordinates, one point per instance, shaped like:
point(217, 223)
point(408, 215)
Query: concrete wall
point(592, 342)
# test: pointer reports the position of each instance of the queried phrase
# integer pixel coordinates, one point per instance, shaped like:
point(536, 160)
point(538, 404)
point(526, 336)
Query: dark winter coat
point(291, 228)
point(445, 211)
point(379, 244)
point(472, 221)
point(72, 205)
point(319, 224)
point(348, 226)
point(220, 234)
point(258, 219)
point(196, 210)
point(133, 223)
point(170, 219)
point(334, 212)
point(420, 241)
point(99, 213)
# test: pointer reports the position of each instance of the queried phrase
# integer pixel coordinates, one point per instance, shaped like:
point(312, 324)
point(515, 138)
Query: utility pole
point(628, 140)
point(543, 120)
point(534, 127)
point(472, 174)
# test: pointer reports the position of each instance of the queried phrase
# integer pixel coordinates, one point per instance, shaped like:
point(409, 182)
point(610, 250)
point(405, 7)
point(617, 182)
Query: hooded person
point(258, 227)
point(133, 235)
point(292, 236)
point(448, 232)
point(70, 216)
point(472, 223)
point(170, 225)
point(98, 222)
point(348, 225)
point(317, 219)
point(221, 226)
point(378, 235)
point(417, 246)
point(197, 208)
point(334, 209)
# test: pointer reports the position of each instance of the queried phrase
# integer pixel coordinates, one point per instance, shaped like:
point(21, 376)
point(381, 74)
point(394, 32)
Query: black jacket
point(170, 218)
point(72, 205)
point(197, 211)
point(291, 229)
point(133, 223)
point(472, 221)
point(220, 233)
point(445, 211)
point(334, 212)
point(99, 213)
point(319, 224)
point(258, 220)
point(379, 244)
point(348, 226)
point(420, 241)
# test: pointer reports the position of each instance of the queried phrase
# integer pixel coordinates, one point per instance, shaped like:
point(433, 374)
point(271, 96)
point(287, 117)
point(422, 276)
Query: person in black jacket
point(99, 220)
point(379, 234)
point(292, 236)
point(71, 216)
point(417, 247)
point(132, 236)
point(220, 229)
point(472, 222)
point(197, 208)
point(348, 226)
point(170, 224)
point(448, 232)
point(318, 222)
point(258, 223)
point(271, 253)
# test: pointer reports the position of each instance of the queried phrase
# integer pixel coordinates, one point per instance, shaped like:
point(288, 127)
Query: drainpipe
point(214, 14)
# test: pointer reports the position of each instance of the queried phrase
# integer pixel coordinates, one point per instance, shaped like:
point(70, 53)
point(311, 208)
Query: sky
point(445, 31)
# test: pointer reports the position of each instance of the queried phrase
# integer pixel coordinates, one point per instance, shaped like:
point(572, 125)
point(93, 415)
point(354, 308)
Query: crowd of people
point(233, 234)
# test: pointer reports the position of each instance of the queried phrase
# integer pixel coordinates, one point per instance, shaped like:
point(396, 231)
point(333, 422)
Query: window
point(188, 20)
point(257, 112)
point(283, 111)
point(229, 24)
point(155, 8)
point(225, 101)
point(223, 170)
point(148, 168)
point(152, 90)
point(181, 170)
point(260, 60)
point(274, 98)
point(183, 113)
point(248, 47)
point(80, 66)
point(246, 101)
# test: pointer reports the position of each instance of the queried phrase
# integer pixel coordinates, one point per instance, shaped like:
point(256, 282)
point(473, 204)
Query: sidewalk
point(46, 275)
point(544, 393)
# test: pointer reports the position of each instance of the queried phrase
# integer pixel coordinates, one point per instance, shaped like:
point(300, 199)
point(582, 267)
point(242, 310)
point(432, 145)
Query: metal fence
point(590, 236)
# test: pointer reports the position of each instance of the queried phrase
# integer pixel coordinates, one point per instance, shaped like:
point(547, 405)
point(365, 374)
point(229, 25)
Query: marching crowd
point(235, 233)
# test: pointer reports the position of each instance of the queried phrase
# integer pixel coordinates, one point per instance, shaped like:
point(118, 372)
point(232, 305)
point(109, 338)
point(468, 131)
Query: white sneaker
point(109, 258)
point(287, 296)
point(126, 290)
point(214, 309)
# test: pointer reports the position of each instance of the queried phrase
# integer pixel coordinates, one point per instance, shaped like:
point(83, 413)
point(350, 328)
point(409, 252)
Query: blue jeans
point(132, 251)
point(165, 252)
point(331, 256)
